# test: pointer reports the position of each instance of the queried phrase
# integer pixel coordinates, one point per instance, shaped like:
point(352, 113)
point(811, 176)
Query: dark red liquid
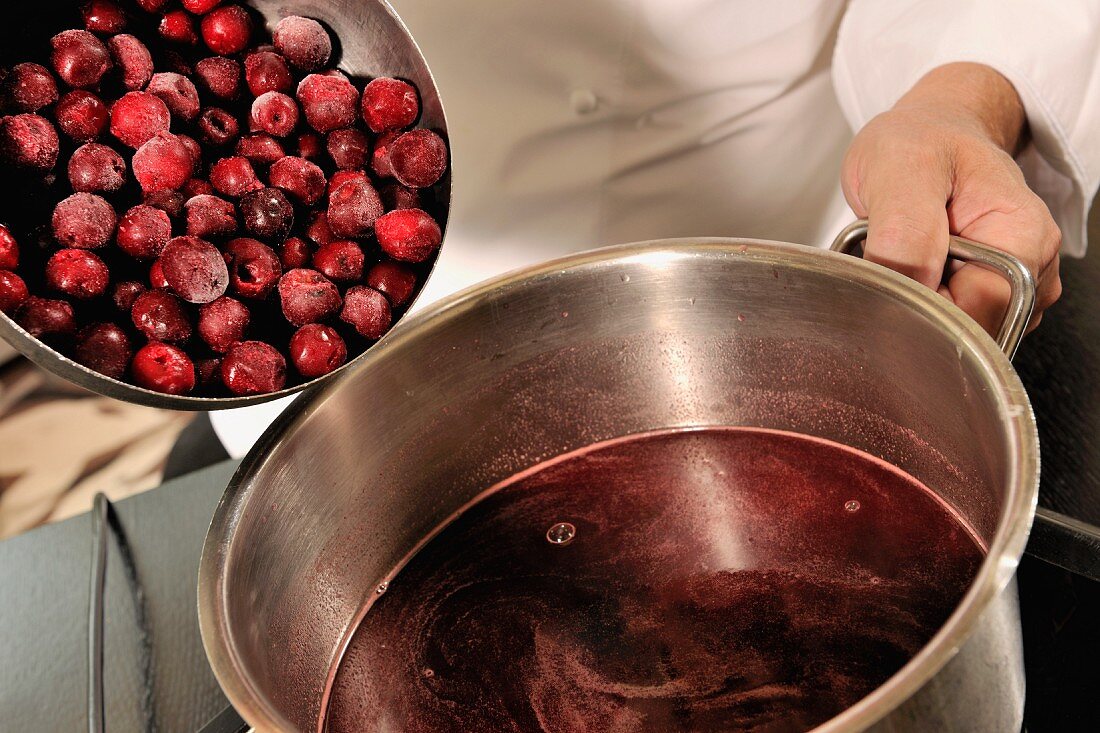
point(718, 580)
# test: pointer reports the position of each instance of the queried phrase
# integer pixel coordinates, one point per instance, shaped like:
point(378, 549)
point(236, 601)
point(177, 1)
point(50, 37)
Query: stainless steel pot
point(370, 41)
point(612, 342)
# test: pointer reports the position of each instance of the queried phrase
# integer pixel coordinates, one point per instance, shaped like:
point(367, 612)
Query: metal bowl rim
point(993, 576)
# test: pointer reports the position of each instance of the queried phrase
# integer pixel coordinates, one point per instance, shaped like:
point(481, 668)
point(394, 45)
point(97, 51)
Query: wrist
point(973, 95)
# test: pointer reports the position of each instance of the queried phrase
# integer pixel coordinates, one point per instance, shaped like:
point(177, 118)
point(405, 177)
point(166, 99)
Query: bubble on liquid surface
point(561, 533)
point(851, 505)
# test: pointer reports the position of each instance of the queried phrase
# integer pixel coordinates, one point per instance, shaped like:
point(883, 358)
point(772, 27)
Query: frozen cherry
point(195, 269)
point(409, 235)
point(274, 113)
point(380, 156)
point(125, 293)
point(163, 368)
point(103, 16)
point(394, 280)
point(28, 141)
point(303, 41)
point(193, 148)
point(318, 230)
point(81, 115)
point(137, 116)
point(295, 252)
point(310, 146)
point(222, 323)
point(208, 371)
point(395, 196)
point(266, 71)
point(418, 158)
point(94, 167)
point(254, 268)
point(316, 350)
point(133, 58)
point(143, 231)
point(339, 178)
point(178, 27)
point(220, 76)
point(341, 261)
point(79, 58)
point(46, 317)
point(77, 273)
point(227, 29)
point(13, 292)
point(83, 220)
point(156, 276)
point(307, 296)
point(218, 127)
point(163, 163)
point(253, 367)
point(304, 181)
point(259, 147)
point(152, 6)
point(267, 214)
point(9, 249)
point(234, 177)
point(209, 216)
point(105, 348)
point(353, 209)
point(389, 104)
point(28, 88)
point(178, 94)
point(160, 316)
point(199, 7)
point(367, 310)
point(349, 148)
point(329, 102)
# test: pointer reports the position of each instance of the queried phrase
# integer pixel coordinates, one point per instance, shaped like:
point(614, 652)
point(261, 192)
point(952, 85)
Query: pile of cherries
point(201, 210)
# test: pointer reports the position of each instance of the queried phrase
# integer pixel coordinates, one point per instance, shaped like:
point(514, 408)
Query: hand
point(940, 163)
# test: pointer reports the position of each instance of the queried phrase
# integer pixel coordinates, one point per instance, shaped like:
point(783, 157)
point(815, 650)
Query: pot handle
point(1022, 300)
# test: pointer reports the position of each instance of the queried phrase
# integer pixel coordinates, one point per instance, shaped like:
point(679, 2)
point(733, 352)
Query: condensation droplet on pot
point(561, 533)
point(382, 587)
point(565, 314)
point(851, 505)
point(741, 317)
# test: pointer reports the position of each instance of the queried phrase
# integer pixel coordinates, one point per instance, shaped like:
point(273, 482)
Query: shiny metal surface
point(1019, 278)
point(369, 40)
point(655, 335)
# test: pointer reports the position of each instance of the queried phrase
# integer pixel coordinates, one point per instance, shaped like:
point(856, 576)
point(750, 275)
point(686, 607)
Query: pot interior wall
point(712, 334)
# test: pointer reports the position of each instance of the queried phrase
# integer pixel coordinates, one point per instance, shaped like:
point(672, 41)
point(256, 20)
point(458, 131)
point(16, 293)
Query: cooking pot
point(675, 333)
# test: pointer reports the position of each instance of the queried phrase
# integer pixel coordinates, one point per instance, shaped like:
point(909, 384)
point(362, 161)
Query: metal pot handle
point(1022, 301)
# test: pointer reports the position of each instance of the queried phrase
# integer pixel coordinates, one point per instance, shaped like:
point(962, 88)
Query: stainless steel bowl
point(599, 345)
point(371, 41)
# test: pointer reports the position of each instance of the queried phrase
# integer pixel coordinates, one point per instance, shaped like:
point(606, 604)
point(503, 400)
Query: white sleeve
point(1050, 51)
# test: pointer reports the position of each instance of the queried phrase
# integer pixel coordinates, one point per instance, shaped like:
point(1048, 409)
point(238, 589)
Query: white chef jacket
point(580, 123)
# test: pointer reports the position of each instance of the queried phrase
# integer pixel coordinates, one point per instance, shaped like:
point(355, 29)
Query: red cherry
point(125, 293)
point(409, 235)
point(304, 181)
point(218, 127)
point(9, 249)
point(77, 273)
point(133, 58)
point(209, 215)
point(267, 214)
point(178, 94)
point(303, 41)
point(317, 350)
point(259, 147)
point(254, 268)
point(234, 177)
point(394, 280)
point(395, 196)
point(163, 163)
point(137, 117)
point(220, 76)
point(28, 141)
point(46, 317)
point(199, 7)
point(222, 323)
point(13, 292)
point(418, 158)
point(353, 208)
point(295, 252)
point(307, 296)
point(83, 220)
point(105, 348)
point(341, 261)
point(194, 269)
point(253, 367)
point(329, 102)
point(349, 148)
point(81, 115)
point(143, 231)
point(94, 167)
point(156, 276)
point(380, 156)
point(160, 316)
point(28, 88)
point(227, 29)
point(389, 104)
point(163, 368)
point(368, 311)
point(79, 58)
point(266, 71)
point(274, 113)
point(310, 146)
point(103, 16)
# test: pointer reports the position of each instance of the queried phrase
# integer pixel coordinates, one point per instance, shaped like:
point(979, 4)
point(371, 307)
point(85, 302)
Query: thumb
point(906, 209)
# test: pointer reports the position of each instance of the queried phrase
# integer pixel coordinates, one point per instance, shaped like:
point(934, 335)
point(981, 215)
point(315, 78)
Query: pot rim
point(994, 574)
